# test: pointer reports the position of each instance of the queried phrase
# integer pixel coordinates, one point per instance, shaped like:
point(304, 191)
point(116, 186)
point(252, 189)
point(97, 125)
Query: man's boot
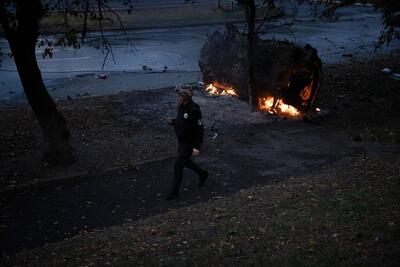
point(203, 178)
point(172, 195)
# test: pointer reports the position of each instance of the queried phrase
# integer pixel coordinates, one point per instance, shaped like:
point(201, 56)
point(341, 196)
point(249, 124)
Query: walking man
point(188, 127)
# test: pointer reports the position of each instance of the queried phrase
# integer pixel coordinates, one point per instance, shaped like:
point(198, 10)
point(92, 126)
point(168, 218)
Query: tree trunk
point(22, 42)
point(51, 121)
point(85, 20)
point(251, 39)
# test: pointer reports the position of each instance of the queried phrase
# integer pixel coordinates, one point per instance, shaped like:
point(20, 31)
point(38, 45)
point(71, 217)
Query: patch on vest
point(199, 122)
point(185, 115)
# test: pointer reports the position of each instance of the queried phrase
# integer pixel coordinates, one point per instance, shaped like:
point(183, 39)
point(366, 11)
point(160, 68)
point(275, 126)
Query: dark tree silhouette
point(21, 31)
point(390, 11)
point(20, 22)
point(251, 39)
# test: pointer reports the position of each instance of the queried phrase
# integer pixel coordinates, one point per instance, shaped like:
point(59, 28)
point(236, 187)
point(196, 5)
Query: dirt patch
point(365, 101)
point(102, 138)
point(123, 129)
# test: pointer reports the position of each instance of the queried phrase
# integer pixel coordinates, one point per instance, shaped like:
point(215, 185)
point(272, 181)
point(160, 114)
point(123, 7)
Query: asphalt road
point(178, 49)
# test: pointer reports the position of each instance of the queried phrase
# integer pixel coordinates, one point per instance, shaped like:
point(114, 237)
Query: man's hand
point(170, 121)
point(195, 152)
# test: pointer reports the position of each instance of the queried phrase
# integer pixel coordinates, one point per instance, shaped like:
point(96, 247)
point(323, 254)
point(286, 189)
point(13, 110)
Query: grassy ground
point(344, 215)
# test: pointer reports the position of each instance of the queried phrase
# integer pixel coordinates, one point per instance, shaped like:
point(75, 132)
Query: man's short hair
point(184, 90)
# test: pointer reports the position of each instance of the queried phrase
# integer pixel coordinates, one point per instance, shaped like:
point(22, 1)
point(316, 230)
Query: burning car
point(287, 77)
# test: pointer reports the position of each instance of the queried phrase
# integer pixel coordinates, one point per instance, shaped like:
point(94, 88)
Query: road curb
point(78, 177)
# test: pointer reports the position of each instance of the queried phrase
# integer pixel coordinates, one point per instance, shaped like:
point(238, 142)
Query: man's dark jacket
point(188, 125)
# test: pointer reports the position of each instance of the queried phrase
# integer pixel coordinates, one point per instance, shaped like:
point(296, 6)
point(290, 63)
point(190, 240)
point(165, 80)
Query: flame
point(266, 104)
point(217, 88)
point(278, 107)
point(306, 92)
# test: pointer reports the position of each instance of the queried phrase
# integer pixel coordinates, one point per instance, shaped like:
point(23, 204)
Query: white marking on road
point(63, 59)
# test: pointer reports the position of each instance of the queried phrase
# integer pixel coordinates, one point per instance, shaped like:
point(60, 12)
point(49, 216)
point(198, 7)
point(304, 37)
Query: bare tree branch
point(106, 44)
point(4, 21)
point(84, 26)
point(121, 24)
point(266, 15)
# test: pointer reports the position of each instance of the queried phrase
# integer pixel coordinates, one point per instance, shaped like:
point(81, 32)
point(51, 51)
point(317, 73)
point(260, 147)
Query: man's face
point(179, 99)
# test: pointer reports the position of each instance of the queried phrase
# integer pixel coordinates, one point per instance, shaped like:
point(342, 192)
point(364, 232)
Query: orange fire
point(217, 88)
point(266, 104)
point(278, 107)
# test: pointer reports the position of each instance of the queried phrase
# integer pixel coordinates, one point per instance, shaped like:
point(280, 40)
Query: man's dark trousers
point(184, 160)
